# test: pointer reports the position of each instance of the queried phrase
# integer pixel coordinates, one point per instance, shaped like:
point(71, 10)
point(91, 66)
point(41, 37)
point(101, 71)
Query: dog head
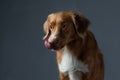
point(63, 27)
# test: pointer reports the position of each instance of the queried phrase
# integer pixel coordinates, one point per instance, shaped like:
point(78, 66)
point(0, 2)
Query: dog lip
point(50, 46)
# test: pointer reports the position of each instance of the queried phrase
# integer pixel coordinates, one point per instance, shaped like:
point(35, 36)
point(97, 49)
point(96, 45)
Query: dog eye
point(63, 27)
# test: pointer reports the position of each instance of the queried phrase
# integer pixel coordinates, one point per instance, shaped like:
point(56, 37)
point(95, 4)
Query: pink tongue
point(47, 44)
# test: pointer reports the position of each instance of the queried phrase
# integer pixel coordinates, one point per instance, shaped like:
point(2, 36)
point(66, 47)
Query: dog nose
point(53, 42)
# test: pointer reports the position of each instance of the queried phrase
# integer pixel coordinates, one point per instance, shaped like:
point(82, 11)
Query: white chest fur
point(69, 65)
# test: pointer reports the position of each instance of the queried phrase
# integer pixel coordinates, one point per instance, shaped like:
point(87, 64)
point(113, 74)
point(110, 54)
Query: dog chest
point(70, 64)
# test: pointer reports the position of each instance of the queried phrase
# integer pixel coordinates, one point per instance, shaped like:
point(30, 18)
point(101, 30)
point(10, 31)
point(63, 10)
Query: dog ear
point(46, 29)
point(46, 26)
point(80, 23)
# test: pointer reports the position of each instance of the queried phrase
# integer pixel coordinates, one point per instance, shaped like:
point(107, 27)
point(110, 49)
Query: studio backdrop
point(22, 53)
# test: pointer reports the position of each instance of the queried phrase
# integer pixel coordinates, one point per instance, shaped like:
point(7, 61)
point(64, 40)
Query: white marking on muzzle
point(53, 36)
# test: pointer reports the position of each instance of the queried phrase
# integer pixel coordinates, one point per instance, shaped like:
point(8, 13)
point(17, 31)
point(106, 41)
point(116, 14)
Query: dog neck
point(74, 46)
point(78, 46)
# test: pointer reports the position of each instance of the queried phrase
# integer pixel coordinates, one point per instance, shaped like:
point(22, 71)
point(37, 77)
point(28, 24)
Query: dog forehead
point(59, 17)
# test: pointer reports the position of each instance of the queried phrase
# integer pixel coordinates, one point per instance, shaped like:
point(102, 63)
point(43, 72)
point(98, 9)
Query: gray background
point(22, 53)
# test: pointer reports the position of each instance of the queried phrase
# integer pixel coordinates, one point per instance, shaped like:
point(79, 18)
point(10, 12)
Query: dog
point(77, 52)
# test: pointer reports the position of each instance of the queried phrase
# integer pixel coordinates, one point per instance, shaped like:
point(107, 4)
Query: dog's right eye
point(64, 27)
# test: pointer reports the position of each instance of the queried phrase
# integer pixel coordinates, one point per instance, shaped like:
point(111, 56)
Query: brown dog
point(78, 55)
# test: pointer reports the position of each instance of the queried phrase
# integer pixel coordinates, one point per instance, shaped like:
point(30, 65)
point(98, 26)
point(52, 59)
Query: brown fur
point(78, 39)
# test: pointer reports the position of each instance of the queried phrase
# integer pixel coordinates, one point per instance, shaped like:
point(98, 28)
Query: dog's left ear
point(46, 30)
point(80, 23)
